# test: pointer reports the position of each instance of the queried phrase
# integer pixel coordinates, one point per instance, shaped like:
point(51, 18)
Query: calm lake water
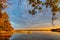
point(39, 35)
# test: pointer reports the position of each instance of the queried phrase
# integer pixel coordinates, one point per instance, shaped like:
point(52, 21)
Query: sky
point(21, 19)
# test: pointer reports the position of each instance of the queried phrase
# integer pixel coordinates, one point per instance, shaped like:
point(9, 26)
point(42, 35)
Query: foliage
point(2, 4)
point(4, 18)
point(37, 5)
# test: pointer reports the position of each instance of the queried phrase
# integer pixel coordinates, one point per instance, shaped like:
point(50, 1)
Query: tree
point(37, 5)
point(4, 18)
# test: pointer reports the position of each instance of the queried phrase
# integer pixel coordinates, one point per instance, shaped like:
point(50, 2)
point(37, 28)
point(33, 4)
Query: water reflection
point(36, 35)
point(5, 36)
point(33, 35)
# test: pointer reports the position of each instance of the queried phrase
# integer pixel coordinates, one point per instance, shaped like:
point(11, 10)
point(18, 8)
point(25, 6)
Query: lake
point(36, 35)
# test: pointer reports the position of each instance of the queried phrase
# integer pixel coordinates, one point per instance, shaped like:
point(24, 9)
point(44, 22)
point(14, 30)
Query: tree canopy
point(4, 18)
